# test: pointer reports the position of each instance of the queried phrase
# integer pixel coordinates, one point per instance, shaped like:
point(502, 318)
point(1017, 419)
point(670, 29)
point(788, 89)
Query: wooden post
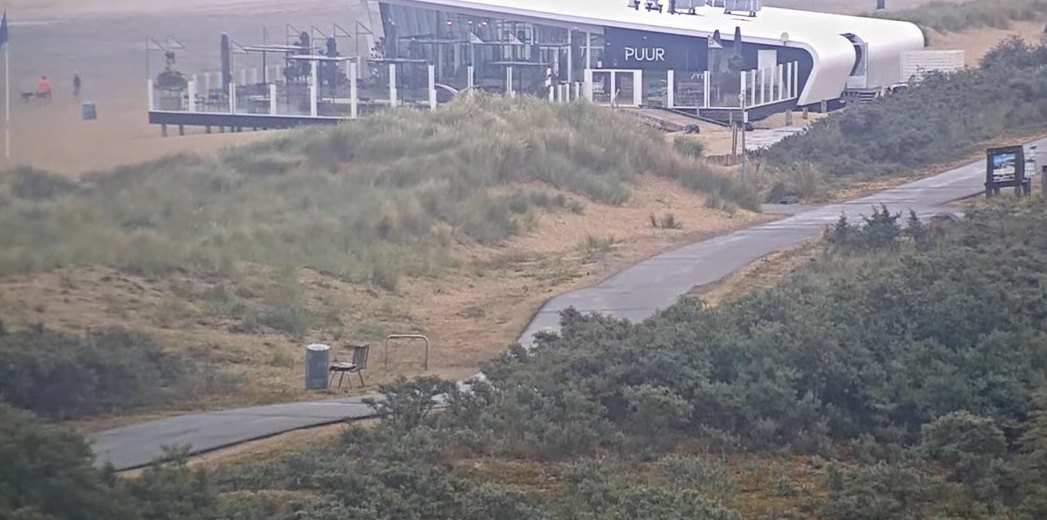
point(734, 136)
point(1043, 184)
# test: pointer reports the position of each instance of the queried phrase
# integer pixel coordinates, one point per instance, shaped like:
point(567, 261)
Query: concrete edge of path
point(193, 452)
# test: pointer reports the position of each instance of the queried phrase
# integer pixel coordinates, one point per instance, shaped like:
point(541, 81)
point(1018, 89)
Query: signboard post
point(1005, 168)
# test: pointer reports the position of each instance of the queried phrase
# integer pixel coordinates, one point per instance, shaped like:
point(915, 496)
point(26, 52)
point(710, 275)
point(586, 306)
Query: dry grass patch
point(976, 42)
point(765, 272)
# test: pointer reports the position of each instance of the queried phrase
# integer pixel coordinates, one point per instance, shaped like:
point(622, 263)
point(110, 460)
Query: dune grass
point(954, 17)
point(367, 201)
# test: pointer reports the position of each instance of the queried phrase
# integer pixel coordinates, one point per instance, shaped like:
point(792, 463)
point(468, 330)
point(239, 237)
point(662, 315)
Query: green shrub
point(840, 350)
point(689, 147)
point(63, 376)
point(46, 472)
point(941, 119)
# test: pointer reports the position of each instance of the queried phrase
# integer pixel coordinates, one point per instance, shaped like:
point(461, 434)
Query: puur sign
point(644, 54)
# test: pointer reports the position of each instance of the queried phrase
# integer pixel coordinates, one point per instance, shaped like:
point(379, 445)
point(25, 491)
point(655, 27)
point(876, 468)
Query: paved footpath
point(634, 293)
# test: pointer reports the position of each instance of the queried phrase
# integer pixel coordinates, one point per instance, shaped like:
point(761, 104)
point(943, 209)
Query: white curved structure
point(844, 51)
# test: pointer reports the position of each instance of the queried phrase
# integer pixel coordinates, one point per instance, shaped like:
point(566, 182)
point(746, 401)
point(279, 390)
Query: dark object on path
point(944, 217)
point(788, 199)
point(692, 129)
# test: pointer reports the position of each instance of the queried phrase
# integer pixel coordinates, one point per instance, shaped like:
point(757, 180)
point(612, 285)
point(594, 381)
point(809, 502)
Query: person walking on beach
point(43, 89)
point(76, 86)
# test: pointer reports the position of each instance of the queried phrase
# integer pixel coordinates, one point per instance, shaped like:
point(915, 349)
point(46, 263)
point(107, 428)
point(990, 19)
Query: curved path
point(634, 293)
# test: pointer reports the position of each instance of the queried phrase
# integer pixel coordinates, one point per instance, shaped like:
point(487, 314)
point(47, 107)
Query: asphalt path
point(634, 293)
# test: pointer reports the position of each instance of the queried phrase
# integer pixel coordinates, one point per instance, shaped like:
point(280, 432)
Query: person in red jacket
point(43, 88)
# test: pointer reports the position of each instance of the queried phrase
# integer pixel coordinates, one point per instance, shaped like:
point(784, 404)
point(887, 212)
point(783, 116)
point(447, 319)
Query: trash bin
point(317, 362)
point(88, 111)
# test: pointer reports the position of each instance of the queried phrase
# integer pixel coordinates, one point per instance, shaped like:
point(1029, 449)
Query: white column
point(589, 55)
point(781, 86)
point(192, 96)
point(509, 81)
point(744, 82)
point(254, 76)
point(752, 89)
point(272, 99)
point(232, 98)
point(796, 79)
point(353, 72)
point(670, 88)
point(392, 85)
point(549, 84)
point(149, 93)
point(705, 89)
point(763, 86)
point(788, 79)
point(432, 87)
point(313, 88)
point(587, 84)
point(570, 57)
point(470, 78)
point(637, 88)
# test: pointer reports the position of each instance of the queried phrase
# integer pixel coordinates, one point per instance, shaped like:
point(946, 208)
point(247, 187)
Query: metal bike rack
point(405, 336)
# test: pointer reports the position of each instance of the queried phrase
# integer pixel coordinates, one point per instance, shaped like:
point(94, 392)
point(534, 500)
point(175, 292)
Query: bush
point(63, 376)
point(688, 147)
point(46, 472)
point(943, 118)
point(953, 17)
point(840, 350)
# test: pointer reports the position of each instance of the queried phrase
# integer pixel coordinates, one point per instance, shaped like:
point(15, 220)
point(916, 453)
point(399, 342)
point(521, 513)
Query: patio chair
point(357, 365)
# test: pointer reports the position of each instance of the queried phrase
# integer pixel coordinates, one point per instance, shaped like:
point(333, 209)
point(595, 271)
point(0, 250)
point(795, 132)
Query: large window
point(453, 41)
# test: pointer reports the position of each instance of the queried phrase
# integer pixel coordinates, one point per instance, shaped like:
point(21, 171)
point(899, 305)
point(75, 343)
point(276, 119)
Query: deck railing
point(267, 92)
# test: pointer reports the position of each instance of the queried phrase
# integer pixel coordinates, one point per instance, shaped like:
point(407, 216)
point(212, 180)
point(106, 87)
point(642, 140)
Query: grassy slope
point(951, 17)
point(364, 201)
point(455, 224)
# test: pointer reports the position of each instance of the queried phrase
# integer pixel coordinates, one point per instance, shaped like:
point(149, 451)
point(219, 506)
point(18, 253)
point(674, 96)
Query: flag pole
point(7, 101)
point(7, 92)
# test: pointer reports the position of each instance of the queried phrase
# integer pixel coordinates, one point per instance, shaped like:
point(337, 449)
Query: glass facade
point(526, 58)
point(453, 42)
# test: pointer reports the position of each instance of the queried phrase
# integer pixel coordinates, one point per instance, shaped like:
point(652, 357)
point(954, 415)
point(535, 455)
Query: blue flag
point(3, 30)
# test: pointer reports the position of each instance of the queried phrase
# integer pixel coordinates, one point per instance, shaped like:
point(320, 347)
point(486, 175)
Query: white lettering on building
point(644, 54)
